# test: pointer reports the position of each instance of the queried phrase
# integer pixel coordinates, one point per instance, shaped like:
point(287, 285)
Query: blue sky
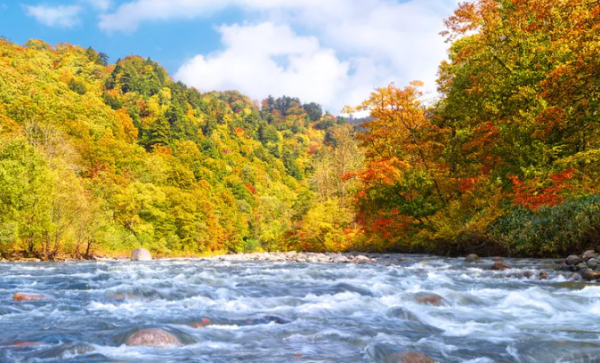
point(329, 51)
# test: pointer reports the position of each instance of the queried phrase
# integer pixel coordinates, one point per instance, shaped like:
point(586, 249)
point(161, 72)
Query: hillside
point(99, 158)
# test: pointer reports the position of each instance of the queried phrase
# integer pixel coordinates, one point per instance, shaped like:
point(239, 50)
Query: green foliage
point(77, 86)
point(573, 225)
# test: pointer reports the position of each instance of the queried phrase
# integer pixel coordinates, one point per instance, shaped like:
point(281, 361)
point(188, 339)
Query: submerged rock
point(153, 337)
point(543, 275)
point(66, 351)
point(402, 313)
point(141, 254)
point(387, 354)
point(499, 266)
point(426, 298)
point(28, 297)
point(472, 258)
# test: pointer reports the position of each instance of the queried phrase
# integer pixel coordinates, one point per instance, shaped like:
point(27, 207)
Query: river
point(252, 311)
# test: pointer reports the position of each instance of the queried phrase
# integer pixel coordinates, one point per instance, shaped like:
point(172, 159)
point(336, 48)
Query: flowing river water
point(251, 311)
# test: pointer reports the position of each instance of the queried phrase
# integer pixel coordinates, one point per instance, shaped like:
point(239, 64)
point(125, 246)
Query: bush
point(570, 227)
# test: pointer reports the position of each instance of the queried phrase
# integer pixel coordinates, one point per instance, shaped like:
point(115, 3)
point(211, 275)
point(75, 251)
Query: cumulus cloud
point(268, 59)
point(346, 47)
point(62, 16)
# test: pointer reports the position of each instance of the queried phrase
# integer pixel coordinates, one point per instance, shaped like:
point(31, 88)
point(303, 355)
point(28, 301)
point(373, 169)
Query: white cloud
point(352, 45)
point(60, 16)
point(267, 59)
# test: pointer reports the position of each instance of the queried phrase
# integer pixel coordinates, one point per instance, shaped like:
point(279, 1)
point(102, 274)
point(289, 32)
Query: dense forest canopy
point(97, 157)
point(507, 160)
point(103, 158)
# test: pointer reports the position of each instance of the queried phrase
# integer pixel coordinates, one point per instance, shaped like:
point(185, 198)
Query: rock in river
point(593, 263)
point(499, 266)
point(141, 254)
point(153, 337)
point(573, 260)
point(19, 296)
point(426, 298)
point(387, 354)
point(590, 275)
point(472, 258)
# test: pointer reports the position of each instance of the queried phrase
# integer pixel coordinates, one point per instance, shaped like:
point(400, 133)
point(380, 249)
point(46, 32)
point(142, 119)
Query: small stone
point(573, 260)
point(141, 254)
point(27, 297)
point(589, 254)
point(543, 275)
point(156, 338)
point(527, 274)
point(499, 266)
point(472, 258)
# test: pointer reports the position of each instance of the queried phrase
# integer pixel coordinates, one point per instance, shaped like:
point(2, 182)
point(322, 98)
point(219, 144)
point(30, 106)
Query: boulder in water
point(426, 298)
point(593, 263)
point(573, 260)
point(141, 254)
point(590, 275)
point(19, 296)
point(472, 258)
point(543, 275)
point(153, 337)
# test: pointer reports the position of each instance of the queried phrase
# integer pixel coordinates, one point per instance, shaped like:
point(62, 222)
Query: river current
point(251, 311)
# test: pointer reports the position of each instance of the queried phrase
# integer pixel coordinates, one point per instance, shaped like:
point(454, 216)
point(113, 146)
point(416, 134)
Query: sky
point(333, 52)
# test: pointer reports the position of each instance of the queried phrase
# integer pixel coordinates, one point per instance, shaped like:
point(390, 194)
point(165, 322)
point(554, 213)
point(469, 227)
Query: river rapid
point(258, 311)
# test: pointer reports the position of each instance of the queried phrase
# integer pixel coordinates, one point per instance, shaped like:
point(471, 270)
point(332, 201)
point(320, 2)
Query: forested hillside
point(508, 159)
point(99, 158)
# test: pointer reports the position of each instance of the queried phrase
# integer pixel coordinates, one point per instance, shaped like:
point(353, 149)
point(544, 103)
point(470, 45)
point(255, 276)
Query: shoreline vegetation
point(99, 158)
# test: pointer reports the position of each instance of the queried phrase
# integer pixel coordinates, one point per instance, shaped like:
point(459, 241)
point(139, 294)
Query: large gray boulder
point(593, 263)
point(141, 254)
point(574, 260)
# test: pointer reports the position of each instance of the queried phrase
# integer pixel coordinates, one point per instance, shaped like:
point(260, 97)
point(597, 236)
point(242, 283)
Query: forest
point(100, 158)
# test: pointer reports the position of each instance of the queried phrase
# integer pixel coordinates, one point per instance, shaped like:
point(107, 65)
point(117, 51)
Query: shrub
point(570, 227)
